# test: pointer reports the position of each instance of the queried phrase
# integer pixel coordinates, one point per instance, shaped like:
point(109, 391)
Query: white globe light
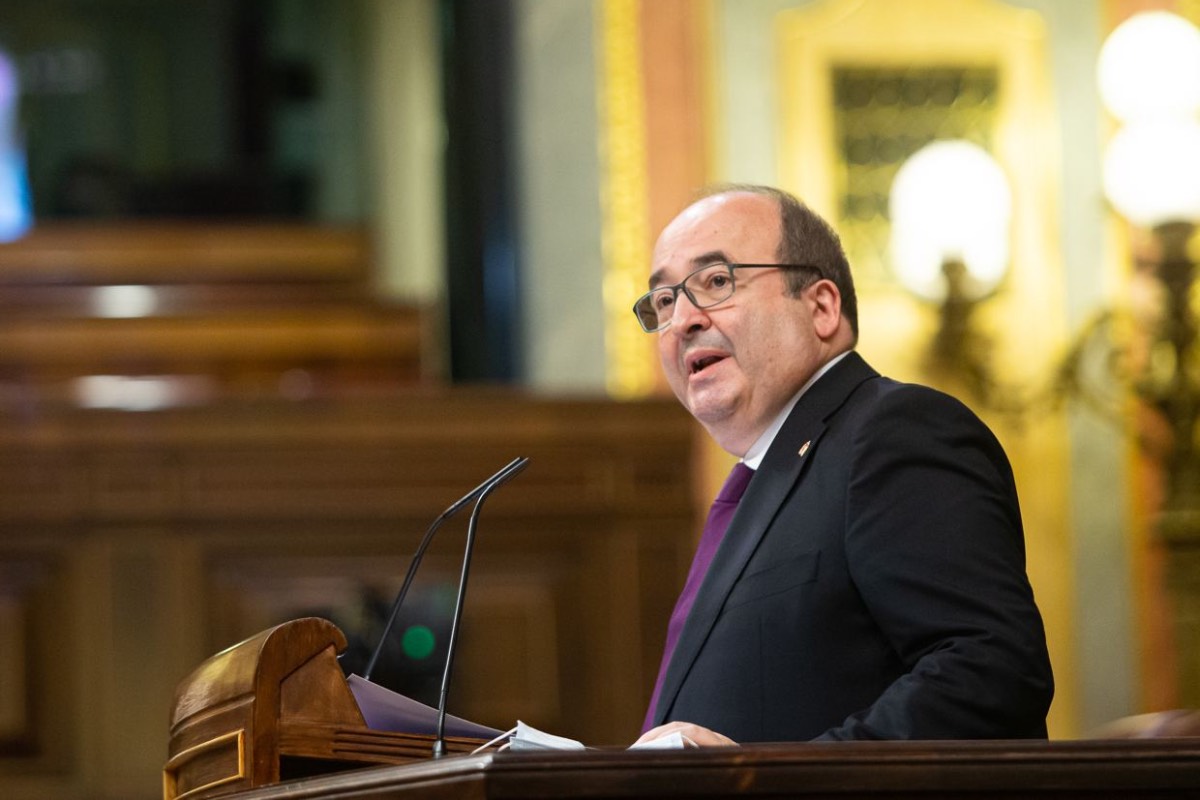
point(1150, 67)
point(950, 201)
point(1152, 172)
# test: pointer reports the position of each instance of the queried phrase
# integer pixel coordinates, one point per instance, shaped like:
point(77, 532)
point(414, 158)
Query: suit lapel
point(786, 460)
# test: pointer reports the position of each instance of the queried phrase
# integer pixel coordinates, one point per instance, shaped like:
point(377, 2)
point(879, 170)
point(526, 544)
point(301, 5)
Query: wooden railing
point(206, 311)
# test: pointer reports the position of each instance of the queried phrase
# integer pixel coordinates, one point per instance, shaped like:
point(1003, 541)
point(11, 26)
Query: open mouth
point(701, 364)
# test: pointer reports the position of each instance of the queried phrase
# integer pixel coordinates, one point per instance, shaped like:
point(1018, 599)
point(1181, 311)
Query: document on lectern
point(527, 737)
point(385, 710)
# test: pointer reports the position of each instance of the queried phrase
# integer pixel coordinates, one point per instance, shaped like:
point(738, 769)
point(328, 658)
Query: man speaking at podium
point(862, 573)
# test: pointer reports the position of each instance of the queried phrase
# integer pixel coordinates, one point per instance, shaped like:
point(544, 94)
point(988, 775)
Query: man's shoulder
point(885, 388)
point(853, 393)
point(878, 395)
point(868, 384)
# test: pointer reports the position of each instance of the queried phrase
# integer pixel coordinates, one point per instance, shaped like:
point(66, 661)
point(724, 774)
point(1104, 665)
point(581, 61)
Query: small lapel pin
point(804, 448)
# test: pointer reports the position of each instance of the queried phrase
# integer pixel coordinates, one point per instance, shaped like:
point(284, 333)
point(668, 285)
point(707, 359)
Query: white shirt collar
point(758, 450)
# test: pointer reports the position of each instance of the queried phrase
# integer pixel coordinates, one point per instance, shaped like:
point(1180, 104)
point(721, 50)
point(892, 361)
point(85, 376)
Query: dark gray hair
point(805, 238)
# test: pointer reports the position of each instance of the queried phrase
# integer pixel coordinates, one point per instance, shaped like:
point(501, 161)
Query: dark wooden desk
point(280, 694)
point(1084, 769)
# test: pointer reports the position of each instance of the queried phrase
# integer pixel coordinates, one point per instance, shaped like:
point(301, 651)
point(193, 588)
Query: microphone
point(502, 477)
point(506, 472)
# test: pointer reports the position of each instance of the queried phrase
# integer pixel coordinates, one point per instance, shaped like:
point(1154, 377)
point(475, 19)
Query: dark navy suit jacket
point(871, 584)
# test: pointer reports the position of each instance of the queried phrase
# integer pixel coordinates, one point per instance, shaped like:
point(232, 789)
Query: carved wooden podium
point(266, 718)
point(275, 707)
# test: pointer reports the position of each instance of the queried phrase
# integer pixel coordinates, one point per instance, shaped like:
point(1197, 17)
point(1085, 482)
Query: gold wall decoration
point(884, 114)
point(865, 83)
point(862, 84)
point(624, 195)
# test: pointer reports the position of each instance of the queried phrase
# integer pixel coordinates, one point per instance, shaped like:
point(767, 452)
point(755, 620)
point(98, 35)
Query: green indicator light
point(417, 642)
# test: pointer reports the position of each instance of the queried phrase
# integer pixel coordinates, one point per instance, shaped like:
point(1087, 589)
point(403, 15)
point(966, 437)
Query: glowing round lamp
point(1152, 172)
point(950, 202)
point(1150, 67)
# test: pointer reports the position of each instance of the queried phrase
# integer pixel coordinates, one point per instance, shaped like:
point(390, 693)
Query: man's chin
point(710, 410)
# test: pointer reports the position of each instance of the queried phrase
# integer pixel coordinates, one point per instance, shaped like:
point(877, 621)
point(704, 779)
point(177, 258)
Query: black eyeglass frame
point(681, 287)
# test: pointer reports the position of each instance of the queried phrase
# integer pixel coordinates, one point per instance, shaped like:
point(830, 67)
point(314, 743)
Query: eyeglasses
point(705, 288)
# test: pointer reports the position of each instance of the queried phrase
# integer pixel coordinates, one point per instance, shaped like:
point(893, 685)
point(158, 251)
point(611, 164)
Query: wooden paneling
point(178, 252)
point(17, 580)
point(36, 697)
point(134, 545)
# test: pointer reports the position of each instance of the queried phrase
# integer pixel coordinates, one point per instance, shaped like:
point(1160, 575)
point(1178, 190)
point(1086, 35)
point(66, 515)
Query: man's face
point(736, 364)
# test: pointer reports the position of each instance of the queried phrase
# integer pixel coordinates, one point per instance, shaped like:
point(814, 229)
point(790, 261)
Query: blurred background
point(281, 279)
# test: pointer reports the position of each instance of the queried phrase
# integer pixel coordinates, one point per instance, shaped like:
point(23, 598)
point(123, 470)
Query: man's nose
point(686, 316)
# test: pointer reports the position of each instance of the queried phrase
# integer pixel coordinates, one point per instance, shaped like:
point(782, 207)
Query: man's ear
point(826, 305)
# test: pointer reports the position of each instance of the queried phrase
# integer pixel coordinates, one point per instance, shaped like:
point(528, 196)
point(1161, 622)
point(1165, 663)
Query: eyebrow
point(702, 260)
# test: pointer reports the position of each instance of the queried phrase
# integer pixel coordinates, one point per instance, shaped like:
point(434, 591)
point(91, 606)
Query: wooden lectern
point(267, 718)
point(272, 708)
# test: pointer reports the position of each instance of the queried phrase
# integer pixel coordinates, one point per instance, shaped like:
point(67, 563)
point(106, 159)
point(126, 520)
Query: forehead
point(736, 226)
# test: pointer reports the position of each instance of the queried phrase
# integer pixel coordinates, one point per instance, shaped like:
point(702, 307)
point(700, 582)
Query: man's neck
point(754, 455)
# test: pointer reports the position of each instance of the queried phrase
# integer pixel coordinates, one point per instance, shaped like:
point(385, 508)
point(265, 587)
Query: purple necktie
point(714, 530)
